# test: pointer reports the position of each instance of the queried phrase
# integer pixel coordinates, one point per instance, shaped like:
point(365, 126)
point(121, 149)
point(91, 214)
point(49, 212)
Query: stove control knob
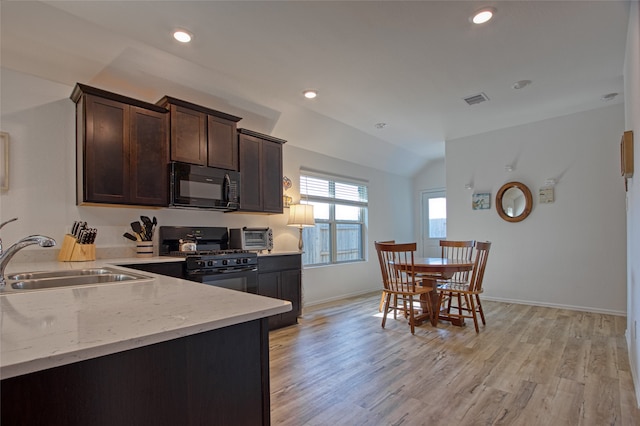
point(245, 260)
point(224, 261)
point(210, 263)
point(238, 261)
point(201, 263)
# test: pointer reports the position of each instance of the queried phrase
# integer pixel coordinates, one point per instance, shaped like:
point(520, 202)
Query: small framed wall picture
point(545, 195)
point(481, 201)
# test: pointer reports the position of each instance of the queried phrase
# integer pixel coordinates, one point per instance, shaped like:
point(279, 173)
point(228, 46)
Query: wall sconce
point(301, 215)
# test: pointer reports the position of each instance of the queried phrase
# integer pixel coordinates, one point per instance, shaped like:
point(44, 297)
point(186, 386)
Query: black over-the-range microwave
point(201, 187)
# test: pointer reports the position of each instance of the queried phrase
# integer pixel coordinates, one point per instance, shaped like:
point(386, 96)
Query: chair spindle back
point(480, 264)
point(396, 265)
point(458, 250)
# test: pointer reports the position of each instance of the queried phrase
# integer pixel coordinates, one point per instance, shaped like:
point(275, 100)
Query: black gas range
point(212, 262)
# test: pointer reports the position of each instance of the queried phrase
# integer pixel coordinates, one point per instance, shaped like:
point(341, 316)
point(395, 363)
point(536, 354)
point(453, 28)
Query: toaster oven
point(251, 239)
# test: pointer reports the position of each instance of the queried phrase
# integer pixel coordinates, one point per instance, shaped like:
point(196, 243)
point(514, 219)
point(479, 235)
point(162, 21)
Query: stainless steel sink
point(69, 277)
point(63, 273)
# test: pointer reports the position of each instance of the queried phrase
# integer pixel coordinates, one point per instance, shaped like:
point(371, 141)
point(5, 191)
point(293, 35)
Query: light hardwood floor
point(529, 366)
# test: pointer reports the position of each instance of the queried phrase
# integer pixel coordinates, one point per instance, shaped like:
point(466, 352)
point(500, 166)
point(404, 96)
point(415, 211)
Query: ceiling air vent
point(476, 99)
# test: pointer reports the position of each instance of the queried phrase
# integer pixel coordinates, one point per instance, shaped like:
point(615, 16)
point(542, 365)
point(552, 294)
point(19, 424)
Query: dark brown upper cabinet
point(260, 166)
point(202, 136)
point(122, 149)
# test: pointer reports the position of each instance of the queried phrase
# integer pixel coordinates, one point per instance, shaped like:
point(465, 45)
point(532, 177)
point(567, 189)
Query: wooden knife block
point(71, 251)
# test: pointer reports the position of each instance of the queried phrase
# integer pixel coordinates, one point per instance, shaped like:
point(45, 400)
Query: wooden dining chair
point(453, 249)
point(400, 284)
point(383, 296)
point(467, 294)
point(458, 250)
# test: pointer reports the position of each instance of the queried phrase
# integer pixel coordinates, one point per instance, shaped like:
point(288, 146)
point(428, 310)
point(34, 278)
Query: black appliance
point(212, 262)
point(192, 186)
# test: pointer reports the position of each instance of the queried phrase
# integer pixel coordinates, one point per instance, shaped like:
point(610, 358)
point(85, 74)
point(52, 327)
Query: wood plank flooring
point(529, 366)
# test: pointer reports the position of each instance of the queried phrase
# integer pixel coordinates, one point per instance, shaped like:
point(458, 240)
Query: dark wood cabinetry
point(219, 377)
point(260, 165)
point(188, 135)
point(201, 135)
point(122, 149)
point(124, 146)
point(280, 277)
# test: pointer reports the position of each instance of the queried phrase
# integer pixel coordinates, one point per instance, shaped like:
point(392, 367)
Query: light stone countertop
point(41, 329)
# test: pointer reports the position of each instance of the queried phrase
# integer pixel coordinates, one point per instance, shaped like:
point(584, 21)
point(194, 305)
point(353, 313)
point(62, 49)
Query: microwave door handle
point(226, 187)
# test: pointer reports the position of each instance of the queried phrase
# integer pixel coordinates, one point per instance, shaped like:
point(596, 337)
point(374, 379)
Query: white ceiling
point(408, 64)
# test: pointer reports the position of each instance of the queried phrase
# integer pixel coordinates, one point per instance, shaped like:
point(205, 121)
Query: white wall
point(40, 118)
point(570, 253)
point(632, 122)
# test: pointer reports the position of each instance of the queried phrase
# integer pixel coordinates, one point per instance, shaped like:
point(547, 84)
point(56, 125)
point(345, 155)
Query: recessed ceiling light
point(608, 97)
point(310, 94)
point(483, 15)
point(182, 36)
point(521, 84)
point(380, 125)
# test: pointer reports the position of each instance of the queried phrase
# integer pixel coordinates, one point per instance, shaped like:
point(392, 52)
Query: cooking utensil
point(154, 222)
point(137, 228)
point(145, 220)
point(148, 227)
point(129, 236)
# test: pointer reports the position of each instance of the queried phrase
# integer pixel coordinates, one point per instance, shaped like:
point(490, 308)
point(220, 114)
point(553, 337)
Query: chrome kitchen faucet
point(5, 256)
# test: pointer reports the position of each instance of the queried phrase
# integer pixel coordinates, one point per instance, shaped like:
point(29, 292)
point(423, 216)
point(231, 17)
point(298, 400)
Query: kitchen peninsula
point(154, 351)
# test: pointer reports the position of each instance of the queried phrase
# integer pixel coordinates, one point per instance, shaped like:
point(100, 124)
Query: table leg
point(435, 301)
point(435, 312)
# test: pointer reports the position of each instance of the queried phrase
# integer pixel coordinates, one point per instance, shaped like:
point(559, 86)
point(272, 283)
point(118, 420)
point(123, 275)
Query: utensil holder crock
point(144, 249)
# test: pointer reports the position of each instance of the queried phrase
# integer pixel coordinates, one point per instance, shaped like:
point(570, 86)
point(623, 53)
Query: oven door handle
point(232, 270)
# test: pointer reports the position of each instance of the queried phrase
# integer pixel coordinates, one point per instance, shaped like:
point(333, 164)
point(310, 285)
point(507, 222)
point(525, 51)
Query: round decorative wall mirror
point(514, 201)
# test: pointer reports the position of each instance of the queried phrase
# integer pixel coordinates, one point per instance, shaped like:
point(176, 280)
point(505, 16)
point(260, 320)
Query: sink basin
point(66, 278)
point(63, 273)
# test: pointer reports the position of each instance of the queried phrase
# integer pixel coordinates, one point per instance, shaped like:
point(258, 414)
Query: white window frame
point(307, 196)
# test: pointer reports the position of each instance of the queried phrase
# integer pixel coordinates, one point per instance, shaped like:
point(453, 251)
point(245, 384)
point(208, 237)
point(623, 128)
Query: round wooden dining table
point(433, 269)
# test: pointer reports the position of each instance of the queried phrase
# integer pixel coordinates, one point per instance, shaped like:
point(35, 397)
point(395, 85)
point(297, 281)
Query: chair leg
point(472, 306)
point(450, 298)
point(395, 306)
point(382, 297)
point(412, 318)
point(480, 309)
point(386, 309)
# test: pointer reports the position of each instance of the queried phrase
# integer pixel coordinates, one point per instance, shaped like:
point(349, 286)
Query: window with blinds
point(340, 212)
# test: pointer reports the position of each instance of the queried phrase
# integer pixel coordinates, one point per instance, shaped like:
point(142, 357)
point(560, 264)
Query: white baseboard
point(558, 306)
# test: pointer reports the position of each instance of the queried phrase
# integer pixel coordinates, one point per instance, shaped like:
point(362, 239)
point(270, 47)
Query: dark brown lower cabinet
point(219, 377)
point(280, 277)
